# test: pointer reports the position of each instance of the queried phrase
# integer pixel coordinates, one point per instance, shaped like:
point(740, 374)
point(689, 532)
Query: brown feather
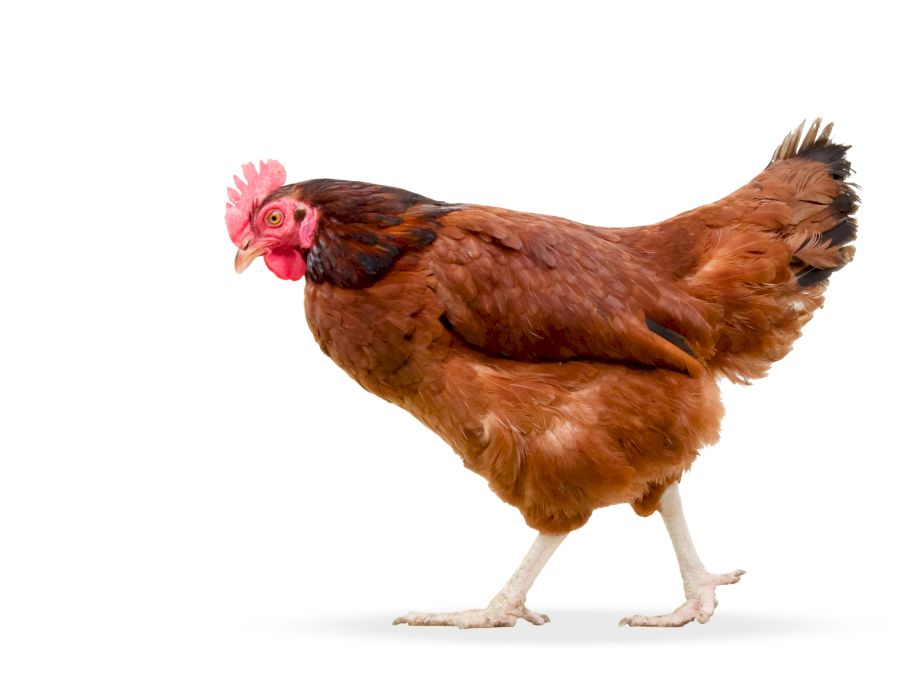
point(575, 367)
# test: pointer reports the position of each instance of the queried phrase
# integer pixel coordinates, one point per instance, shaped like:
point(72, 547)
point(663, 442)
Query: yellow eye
point(274, 218)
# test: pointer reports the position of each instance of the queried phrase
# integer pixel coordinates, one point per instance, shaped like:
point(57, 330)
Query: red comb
point(270, 177)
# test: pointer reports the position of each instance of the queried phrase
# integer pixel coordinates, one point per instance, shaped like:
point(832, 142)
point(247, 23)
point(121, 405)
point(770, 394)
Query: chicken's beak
point(246, 255)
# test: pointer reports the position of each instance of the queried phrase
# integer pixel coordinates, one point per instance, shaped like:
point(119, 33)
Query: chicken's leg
point(508, 605)
point(699, 585)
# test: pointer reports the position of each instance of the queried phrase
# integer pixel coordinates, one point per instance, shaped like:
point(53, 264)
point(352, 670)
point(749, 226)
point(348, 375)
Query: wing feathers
point(539, 288)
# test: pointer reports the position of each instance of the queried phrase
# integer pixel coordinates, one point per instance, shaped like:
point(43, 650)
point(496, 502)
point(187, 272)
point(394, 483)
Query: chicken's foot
point(509, 604)
point(699, 585)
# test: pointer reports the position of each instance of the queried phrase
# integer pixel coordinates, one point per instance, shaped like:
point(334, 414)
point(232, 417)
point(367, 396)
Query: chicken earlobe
point(699, 585)
point(508, 605)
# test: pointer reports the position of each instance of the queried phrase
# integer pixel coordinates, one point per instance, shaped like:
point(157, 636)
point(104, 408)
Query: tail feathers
point(767, 273)
point(815, 146)
point(822, 223)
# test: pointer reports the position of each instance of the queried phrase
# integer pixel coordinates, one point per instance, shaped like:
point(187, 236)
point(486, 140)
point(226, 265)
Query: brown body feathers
point(575, 367)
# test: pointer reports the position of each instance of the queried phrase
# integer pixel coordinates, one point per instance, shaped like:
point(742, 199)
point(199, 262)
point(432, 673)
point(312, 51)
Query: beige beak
point(246, 255)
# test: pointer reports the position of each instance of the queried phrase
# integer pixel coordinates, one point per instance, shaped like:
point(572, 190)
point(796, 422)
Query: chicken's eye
point(274, 218)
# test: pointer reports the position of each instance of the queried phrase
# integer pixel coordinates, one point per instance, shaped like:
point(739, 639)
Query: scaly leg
point(508, 605)
point(699, 585)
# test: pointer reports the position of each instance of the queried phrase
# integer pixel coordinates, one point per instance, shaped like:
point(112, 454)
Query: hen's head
point(266, 219)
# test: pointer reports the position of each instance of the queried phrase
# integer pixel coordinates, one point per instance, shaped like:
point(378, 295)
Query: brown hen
point(573, 367)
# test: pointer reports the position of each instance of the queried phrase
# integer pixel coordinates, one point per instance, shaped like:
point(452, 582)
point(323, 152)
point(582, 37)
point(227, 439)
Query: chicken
point(573, 367)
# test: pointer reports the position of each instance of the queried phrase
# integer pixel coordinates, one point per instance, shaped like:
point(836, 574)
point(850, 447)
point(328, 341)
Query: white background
point(187, 485)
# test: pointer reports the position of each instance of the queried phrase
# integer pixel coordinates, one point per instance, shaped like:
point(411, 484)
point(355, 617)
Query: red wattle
point(286, 263)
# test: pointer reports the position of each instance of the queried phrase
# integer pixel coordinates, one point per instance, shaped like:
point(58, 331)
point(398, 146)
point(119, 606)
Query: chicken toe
point(490, 617)
point(699, 606)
